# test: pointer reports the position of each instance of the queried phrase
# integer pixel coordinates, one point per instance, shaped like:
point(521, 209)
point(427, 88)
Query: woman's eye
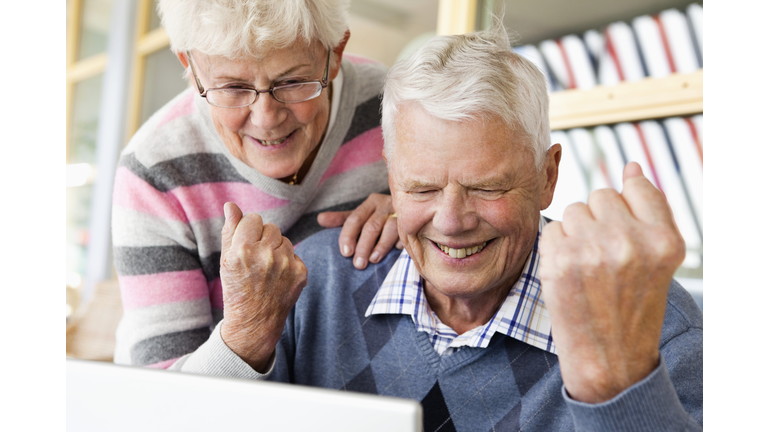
point(289, 82)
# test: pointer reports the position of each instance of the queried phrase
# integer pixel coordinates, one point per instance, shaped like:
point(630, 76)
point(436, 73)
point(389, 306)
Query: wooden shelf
point(675, 95)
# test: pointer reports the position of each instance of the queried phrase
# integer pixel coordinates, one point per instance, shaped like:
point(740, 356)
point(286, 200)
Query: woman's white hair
point(467, 77)
point(246, 28)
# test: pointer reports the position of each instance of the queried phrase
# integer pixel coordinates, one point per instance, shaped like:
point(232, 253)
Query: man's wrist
point(255, 350)
point(599, 384)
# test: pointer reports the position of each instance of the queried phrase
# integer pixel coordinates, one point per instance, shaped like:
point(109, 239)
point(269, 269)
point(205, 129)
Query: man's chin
point(457, 285)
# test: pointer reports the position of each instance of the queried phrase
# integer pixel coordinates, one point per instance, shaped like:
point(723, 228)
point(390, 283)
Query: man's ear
point(550, 173)
point(337, 52)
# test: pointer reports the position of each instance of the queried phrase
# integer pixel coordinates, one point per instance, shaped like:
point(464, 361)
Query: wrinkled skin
point(605, 272)
point(372, 222)
point(261, 280)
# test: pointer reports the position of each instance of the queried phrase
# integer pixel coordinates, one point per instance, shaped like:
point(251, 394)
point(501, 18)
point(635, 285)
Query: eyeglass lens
point(241, 97)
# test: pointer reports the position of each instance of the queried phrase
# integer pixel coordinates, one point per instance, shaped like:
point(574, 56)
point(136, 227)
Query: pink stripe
point(363, 150)
point(217, 298)
point(356, 59)
point(206, 200)
point(185, 106)
point(148, 290)
point(133, 193)
point(165, 364)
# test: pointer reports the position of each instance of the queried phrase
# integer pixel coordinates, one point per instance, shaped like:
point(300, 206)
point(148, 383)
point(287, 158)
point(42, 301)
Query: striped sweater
point(172, 181)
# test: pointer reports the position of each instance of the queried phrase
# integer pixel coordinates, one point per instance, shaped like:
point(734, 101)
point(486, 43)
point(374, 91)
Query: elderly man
point(492, 318)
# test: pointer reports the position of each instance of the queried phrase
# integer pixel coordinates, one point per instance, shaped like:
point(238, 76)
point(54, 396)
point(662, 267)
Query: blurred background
point(608, 106)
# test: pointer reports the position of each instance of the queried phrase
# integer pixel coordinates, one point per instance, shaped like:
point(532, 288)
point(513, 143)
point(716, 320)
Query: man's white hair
point(246, 28)
point(468, 77)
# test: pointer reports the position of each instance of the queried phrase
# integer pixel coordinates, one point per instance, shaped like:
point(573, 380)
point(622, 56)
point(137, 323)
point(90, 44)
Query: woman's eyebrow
point(290, 71)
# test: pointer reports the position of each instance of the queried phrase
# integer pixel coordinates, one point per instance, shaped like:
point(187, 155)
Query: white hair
point(469, 77)
point(246, 28)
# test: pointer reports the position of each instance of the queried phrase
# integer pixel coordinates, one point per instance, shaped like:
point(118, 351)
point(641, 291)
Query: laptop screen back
point(105, 396)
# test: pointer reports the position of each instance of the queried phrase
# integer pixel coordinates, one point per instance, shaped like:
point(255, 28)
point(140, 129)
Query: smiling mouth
point(274, 142)
point(462, 252)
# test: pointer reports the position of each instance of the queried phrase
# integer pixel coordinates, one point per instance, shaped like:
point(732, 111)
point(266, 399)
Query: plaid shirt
point(522, 315)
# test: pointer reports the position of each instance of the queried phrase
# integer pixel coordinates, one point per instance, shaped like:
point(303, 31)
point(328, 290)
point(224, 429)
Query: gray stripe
point(185, 170)
point(168, 346)
point(367, 116)
point(131, 261)
point(155, 320)
point(211, 265)
point(131, 228)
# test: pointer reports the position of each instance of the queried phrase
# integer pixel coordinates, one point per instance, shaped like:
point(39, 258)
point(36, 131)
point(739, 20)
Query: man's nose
point(454, 214)
point(267, 113)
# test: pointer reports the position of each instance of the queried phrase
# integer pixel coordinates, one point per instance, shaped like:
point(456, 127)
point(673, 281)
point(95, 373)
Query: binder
point(614, 159)
point(621, 44)
point(672, 186)
point(652, 46)
point(691, 172)
point(674, 26)
point(606, 68)
point(578, 59)
point(532, 53)
point(590, 159)
point(555, 59)
point(571, 182)
point(695, 15)
point(698, 123)
point(635, 150)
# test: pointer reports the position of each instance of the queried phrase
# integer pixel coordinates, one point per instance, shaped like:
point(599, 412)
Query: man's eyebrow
point(489, 183)
point(410, 184)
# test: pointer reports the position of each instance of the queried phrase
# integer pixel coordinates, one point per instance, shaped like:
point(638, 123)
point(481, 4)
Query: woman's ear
point(183, 59)
point(337, 52)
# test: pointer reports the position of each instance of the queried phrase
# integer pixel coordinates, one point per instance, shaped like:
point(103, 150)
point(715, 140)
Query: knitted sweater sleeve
point(671, 397)
point(166, 296)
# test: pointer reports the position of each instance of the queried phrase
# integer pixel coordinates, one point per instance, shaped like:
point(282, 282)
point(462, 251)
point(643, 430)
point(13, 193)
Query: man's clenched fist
point(605, 272)
point(261, 279)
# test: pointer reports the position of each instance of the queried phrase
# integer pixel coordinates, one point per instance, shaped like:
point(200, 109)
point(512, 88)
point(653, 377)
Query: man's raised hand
point(261, 279)
point(605, 272)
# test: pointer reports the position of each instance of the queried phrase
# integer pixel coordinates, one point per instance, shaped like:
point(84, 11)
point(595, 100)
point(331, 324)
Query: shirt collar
point(522, 315)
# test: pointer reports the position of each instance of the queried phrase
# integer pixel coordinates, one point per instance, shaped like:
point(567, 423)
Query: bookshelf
point(651, 98)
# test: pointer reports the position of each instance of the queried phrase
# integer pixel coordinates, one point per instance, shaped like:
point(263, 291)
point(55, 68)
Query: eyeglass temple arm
point(197, 81)
point(327, 66)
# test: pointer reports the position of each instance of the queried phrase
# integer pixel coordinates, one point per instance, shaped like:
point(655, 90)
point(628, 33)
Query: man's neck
point(462, 314)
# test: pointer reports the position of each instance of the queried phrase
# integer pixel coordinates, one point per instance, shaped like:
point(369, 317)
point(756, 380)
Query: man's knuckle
point(669, 245)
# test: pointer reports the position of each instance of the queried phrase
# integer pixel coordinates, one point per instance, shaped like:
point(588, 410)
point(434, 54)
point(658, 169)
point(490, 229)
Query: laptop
point(108, 397)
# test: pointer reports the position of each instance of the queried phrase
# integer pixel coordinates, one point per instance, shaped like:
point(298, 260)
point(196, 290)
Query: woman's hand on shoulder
point(368, 233)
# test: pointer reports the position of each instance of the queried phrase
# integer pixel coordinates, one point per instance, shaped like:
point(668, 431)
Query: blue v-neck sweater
point(328, 342)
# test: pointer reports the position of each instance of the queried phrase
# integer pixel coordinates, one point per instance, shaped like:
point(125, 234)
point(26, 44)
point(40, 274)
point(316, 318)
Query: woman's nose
point(267, 113)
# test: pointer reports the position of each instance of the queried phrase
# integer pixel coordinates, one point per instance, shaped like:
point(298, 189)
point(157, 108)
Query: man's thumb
point(232, 216)
point(632, 169)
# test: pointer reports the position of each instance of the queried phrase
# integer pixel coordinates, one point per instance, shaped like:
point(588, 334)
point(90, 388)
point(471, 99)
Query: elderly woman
point(277, 126)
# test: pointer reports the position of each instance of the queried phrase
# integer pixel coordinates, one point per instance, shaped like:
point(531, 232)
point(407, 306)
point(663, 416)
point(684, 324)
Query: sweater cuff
point(215, 358)
point(651, 404)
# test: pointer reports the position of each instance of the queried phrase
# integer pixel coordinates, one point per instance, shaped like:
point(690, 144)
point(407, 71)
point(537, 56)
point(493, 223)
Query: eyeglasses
point(239, 97)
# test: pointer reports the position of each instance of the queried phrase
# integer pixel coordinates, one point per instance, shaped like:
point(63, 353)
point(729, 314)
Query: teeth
point(463, 252)
point(275, 142)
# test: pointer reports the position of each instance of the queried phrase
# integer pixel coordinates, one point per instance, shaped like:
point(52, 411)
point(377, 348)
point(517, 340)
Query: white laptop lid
point(109, 397)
